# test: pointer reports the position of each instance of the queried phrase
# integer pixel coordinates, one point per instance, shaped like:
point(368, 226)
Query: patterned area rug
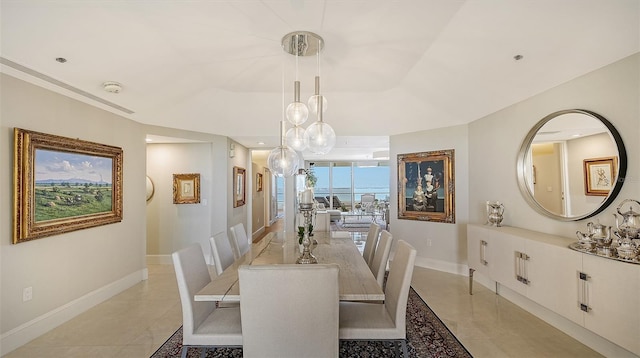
point(426, 334)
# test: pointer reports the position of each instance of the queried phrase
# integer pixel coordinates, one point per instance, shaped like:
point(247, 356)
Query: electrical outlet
point(27, 294)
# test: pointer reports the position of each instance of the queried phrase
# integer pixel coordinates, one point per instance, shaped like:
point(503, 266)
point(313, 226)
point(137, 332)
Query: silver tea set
point(626, 244)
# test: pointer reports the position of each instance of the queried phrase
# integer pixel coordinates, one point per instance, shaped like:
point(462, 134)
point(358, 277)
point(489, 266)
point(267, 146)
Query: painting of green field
point(64, 200)
point(69, 185)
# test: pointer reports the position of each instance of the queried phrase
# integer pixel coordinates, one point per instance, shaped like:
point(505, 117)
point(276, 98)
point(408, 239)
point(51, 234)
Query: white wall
point(170, 226)
point(448, 250)
point(173, 226)
point(485, 161)
point(71, 271)
point(241, 214)
point(590, 147)
point(494, 141)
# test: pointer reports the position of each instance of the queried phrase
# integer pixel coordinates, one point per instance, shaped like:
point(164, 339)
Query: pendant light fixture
point(319, 137)
point(283, 161)
point(297, 112)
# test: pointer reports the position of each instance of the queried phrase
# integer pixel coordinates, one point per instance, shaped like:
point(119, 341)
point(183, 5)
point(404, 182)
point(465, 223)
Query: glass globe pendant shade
point(283, 161)
point(297, 113)
point(295, 138)
point(320, 138)
point(313, 103)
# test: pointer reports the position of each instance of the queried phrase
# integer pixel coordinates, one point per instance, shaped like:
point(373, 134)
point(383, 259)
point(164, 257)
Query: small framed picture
point(186, 188)
point(239, 182)
point(259, 182)
point(599, 174)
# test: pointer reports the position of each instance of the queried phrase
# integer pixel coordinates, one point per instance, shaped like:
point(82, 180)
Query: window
point(341, 186)
point(347, 181)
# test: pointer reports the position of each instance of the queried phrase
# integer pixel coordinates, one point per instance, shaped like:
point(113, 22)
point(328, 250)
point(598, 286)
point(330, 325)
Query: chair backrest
point(322, 200)
point(398, 283)
point(192, 275)
point(240, 240)
point(289, 310)
point(366, 202)
point(222, 252)
point(370, 244)
point(379, 262)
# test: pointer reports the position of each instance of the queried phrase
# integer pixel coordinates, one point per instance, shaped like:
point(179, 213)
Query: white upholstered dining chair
point(383, 321)
point(221, 251)
point(289, 310)
point(371, 243)
point(203, 325)
point(240, 242)
point(381, 256)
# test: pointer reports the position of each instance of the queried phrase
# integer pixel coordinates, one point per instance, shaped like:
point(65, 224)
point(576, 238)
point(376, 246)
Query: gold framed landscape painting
point(63, 184)
point(426, 189)
point(186, 188)
point(599, 174)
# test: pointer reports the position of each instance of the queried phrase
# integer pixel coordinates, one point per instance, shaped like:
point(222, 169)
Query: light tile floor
point(137, 321)
point(488, 325)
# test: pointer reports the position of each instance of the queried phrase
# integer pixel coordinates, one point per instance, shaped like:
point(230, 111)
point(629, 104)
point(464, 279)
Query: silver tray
point(576, 246)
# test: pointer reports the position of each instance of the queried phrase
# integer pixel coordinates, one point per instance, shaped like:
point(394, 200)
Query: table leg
point(471, 271)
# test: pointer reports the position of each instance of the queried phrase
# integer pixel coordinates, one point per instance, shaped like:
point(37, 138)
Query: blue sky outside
point(56, 165)
point(369, 177)
point(366, 180)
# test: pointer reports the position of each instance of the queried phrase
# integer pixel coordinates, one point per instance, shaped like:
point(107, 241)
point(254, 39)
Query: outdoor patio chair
point(337, 204)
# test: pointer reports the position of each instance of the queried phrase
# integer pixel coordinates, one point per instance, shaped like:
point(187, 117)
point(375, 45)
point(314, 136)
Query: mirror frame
point(524, 149)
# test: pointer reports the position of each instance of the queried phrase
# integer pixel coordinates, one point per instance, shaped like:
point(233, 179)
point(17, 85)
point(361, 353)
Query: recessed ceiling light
point(61, 59)
point(518, 57)
point(261, 143)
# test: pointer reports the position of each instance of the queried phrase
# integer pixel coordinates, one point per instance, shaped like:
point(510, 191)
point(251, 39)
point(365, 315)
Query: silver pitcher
point(601, 234)
point(585, 240)
point(495, 210)
point(630, 221)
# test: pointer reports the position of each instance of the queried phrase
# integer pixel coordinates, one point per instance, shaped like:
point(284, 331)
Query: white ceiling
point(388, 67)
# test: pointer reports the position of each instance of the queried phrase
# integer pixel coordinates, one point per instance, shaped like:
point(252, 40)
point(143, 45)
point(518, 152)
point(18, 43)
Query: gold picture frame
point(63, 184)
point(426, 189)
point(186, 188)
point(239, 185)
point(599, 175)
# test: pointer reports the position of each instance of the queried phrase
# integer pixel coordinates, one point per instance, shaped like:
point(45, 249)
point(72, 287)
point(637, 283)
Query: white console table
point(597, 293)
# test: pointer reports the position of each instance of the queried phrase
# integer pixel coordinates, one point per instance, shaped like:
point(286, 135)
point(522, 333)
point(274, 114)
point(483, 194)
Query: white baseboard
point(444, 266)
point(28, 331)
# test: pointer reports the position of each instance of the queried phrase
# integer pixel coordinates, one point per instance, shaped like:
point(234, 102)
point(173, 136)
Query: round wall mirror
point(571, 165)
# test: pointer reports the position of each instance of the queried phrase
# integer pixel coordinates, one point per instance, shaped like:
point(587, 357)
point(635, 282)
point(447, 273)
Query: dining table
point(356, 281)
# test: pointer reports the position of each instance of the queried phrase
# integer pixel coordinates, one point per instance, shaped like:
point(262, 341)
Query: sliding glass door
point(342, 186)
point(343, 183)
